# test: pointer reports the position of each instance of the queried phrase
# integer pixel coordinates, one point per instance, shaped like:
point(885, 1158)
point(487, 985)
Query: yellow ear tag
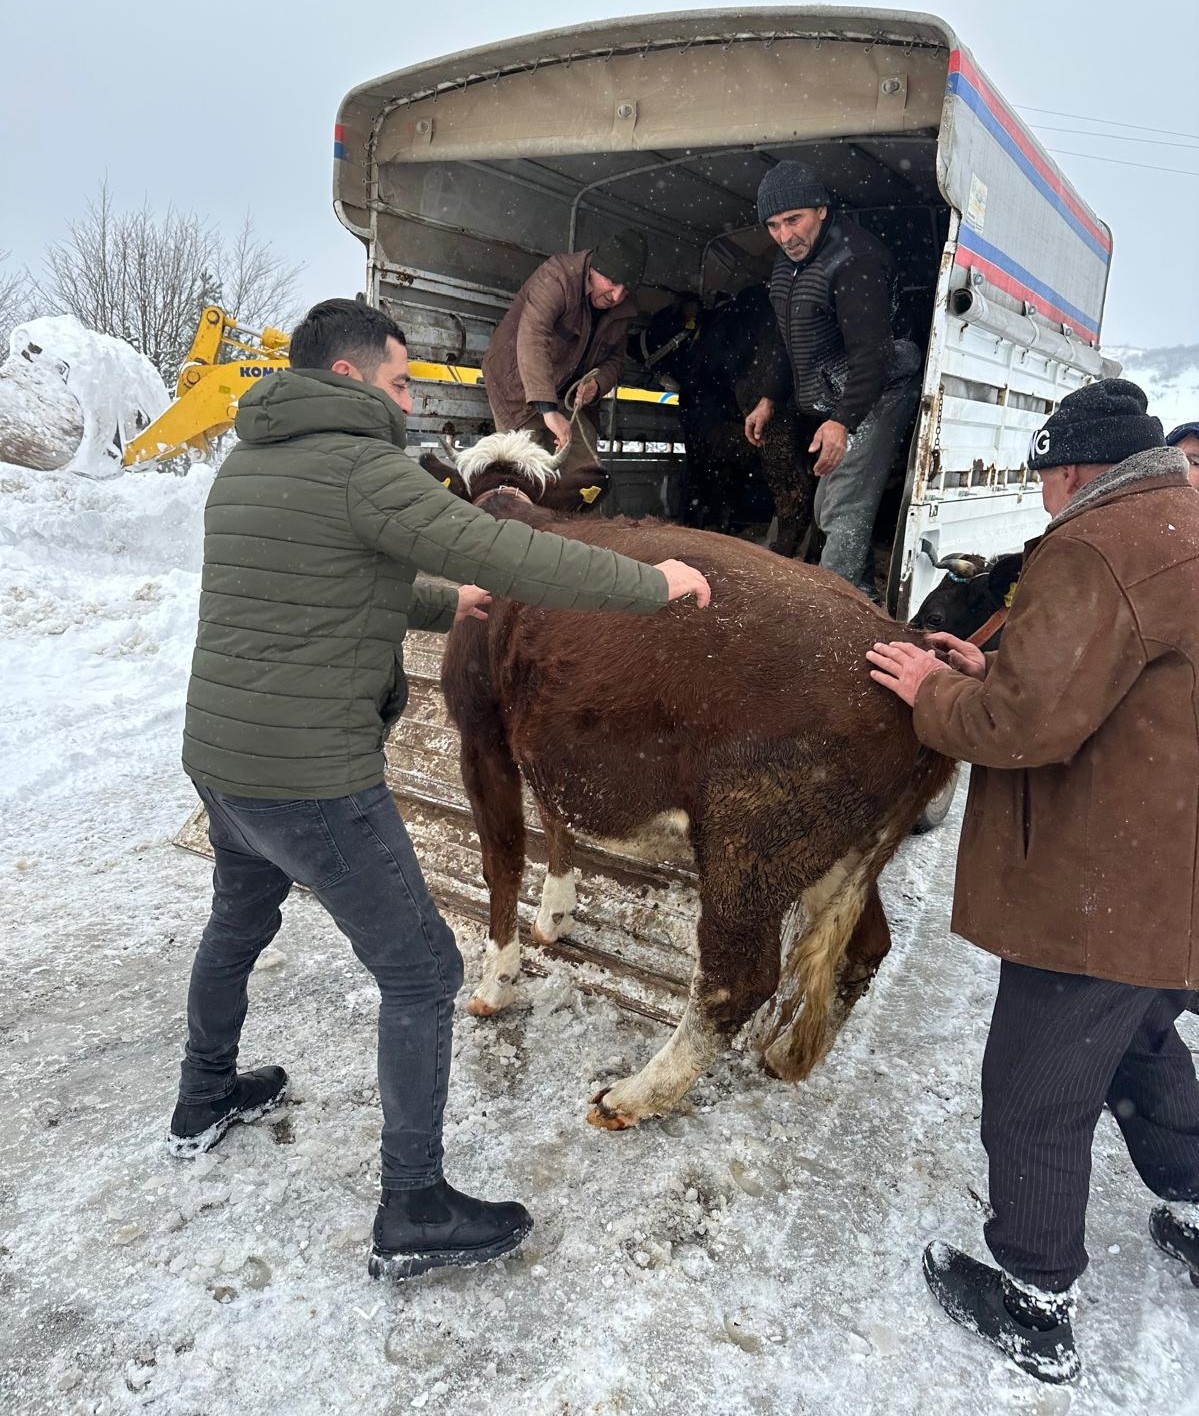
point(589, 494)
point(1011, 594)
point(446, 483)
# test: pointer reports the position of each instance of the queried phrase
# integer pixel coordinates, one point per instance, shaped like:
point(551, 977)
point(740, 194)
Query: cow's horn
point(555, 463)
point(958, 565)
point(451, 451)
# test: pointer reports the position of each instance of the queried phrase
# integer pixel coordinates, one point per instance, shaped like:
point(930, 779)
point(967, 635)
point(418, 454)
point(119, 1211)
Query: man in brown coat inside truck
point(569, 319)
point(1079, 863)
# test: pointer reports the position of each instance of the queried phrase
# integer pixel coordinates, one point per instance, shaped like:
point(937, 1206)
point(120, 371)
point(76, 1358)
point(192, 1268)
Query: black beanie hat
point(789, 187)
point(1101, 422)
point(621, 257)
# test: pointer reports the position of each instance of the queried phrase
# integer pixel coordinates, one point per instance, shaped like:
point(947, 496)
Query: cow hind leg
point(829, 966)
point(493, 784)
point(555, 913)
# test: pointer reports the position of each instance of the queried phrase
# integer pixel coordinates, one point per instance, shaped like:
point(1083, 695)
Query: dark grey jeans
point(354, 854)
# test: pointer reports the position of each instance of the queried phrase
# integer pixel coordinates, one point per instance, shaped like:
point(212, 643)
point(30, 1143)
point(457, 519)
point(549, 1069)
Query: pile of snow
point(1170, 378)
point(759, 1252)
point(118, 389)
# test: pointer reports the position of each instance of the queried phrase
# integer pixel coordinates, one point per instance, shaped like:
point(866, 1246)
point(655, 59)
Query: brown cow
point(751, 729)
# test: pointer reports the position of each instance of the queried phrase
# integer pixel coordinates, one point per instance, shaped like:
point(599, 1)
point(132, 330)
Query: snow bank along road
point(757, 1253)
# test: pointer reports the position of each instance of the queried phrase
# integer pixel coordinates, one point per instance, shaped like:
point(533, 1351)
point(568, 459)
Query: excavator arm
point(207, 392)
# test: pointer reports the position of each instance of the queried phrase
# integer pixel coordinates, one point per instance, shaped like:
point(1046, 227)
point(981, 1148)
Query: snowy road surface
point(757, 1253)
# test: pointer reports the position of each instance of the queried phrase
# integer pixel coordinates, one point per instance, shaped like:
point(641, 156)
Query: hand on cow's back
point(682, 580)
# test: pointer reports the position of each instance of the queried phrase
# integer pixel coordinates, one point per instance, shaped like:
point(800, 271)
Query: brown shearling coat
point(1080, 845)
point(551, 335)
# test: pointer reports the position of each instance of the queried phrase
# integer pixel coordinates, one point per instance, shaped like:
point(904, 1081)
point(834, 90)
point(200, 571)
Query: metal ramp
point(634, 934)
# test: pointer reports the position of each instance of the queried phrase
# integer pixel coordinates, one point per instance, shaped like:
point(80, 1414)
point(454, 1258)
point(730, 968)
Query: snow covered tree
point(145, 277)
point(17, 302)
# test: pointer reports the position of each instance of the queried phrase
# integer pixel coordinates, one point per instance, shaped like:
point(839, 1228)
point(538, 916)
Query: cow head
point(972, 590)
point(663, 348)
point(517, 462)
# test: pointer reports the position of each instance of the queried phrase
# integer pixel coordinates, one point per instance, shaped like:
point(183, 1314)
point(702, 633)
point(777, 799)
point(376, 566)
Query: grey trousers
point(847, 498)
point(1062, 1046)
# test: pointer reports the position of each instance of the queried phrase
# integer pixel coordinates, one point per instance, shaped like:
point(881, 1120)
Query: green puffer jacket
point(314, 530)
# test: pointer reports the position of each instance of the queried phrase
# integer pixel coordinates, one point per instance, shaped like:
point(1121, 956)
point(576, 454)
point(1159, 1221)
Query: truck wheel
point(938, 808)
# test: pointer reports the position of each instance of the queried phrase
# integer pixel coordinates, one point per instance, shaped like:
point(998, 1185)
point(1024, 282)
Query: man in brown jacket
point(569, 319)
point(1079, 863)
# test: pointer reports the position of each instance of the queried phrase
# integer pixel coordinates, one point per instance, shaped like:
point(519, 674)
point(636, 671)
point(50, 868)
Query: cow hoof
point(560, 928)
point(605, 1119)
point(485, 1004)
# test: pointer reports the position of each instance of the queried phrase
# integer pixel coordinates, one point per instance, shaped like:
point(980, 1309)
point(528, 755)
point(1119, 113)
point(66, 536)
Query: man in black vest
point(855, 385)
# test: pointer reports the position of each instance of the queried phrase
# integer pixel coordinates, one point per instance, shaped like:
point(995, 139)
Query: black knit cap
point(1103, 422)
point(789, 187)
point(621, 257)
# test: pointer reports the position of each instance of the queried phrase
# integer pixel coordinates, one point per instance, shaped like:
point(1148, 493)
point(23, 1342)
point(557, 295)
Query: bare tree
point(145, 277)
point(17, 302)
point(255, 283)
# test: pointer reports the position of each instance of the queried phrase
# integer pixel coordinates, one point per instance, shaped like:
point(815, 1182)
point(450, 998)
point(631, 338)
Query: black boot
point(1179, 1240)
point(197, 1126)
point(417, 1230)
point(1033, 1330)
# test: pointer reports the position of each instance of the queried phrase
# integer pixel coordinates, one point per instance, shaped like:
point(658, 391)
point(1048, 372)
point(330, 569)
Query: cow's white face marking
point(554, 915)
point(495, 989)
point(527, 459)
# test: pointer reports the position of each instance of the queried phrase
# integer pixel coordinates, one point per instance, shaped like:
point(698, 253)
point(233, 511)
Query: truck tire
point(938, 808)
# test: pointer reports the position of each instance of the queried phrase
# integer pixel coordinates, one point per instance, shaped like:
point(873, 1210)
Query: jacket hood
point(295, 402)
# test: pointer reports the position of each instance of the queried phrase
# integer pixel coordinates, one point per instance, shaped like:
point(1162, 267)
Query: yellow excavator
point(207, 392)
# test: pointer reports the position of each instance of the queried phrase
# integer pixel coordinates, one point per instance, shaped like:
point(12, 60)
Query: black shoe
point(418, 1230)
point(1179, 1240)
point(197, 1126)
point(1034, 1332)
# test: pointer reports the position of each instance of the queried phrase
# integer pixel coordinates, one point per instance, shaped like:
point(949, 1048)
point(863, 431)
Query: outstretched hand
point(902, 667)
point(683, 579)
point(471, 602)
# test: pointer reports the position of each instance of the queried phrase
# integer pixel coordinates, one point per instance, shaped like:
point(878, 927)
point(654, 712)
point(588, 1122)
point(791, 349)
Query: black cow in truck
point(718, 360)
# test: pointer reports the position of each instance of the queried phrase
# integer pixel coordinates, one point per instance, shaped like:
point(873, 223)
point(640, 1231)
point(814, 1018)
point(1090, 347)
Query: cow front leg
point(493, 785)
point(737, 971)
point(555, 913)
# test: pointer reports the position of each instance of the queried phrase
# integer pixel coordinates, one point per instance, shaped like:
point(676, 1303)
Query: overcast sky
point(229, 109)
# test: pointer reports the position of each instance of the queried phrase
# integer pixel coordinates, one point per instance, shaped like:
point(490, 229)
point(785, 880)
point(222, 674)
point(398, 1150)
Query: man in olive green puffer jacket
point(315, 528)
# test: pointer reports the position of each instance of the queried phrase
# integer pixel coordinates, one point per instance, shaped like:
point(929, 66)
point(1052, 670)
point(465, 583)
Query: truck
point(461, 174)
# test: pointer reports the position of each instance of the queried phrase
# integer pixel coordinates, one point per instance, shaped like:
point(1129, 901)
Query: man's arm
point(862, 299)
point(616, 337)
point(433, 607)
point(546, 300)
point(1070, 652)
point(397, 508)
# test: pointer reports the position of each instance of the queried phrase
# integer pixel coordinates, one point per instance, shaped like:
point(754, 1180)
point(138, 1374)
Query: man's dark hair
point(343, 329)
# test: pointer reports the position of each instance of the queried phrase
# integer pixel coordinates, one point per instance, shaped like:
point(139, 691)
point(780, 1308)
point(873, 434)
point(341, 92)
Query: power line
point(1119, 137)
point(1120, 162)
point(1111, 122)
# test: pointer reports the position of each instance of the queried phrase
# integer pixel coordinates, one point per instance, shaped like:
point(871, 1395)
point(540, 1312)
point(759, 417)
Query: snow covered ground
point(758, 1253)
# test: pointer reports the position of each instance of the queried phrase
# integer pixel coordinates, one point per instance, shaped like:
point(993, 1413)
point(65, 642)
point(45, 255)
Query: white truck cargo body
point(461, 174)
